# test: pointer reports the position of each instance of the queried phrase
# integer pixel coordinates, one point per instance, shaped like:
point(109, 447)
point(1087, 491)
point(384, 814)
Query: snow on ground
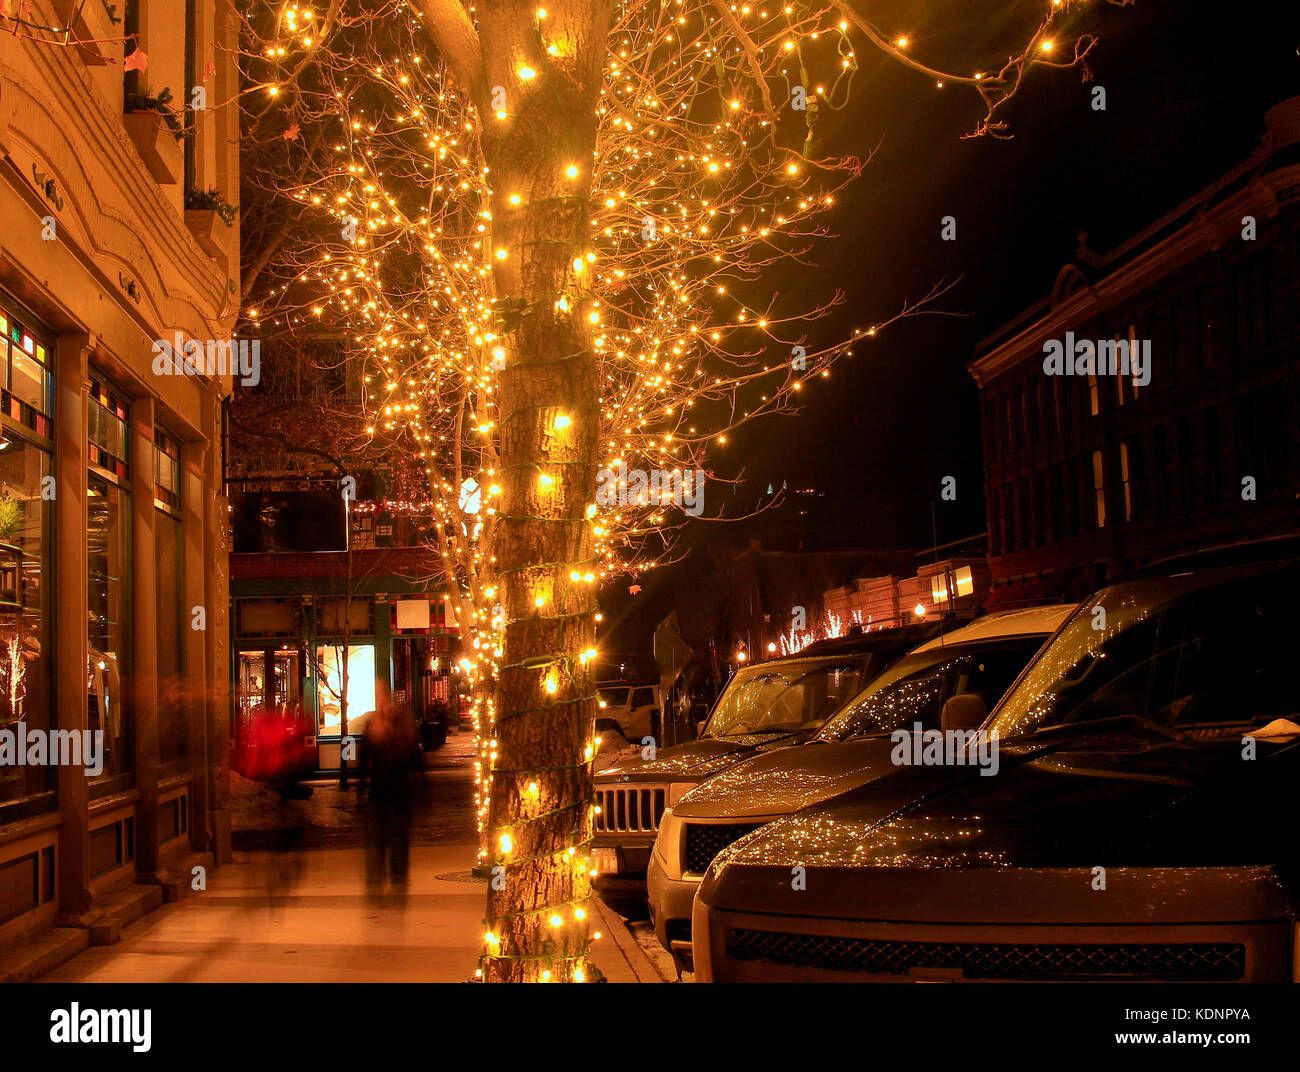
point(254, 806)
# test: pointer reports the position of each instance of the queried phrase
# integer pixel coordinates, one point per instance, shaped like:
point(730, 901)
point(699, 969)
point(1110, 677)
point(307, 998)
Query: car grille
point(630, 809)
point(705, 840)
point(1205, 961)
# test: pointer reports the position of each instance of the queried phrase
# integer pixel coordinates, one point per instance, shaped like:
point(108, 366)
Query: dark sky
point(1187, 86)
point(1185, 100)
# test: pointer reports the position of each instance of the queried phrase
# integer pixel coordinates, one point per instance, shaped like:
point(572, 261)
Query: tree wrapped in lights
point(546, 227)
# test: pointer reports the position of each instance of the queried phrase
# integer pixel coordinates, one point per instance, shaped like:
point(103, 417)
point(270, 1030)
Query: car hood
point(698, 759)
point(1166, 805)
point(780, 782)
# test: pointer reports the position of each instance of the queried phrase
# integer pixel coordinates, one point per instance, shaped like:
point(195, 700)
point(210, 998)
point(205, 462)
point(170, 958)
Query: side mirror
point(965, 711)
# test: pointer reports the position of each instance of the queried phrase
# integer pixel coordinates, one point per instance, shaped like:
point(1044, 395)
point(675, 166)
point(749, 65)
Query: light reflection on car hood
point(1165, 805)
point(698, 759)
point(776, 783)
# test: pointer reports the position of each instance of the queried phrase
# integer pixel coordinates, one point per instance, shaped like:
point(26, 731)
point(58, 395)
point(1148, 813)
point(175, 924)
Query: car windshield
point(785, 696)
point(915, 688)
point(613, 697)
point(1187, 653)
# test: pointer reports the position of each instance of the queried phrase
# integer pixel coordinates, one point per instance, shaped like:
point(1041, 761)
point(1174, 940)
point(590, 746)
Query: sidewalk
point(323, 931)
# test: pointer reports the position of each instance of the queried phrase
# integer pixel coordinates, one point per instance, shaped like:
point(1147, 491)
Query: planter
point(90, 25)
point(210, 231)
point(158, 148)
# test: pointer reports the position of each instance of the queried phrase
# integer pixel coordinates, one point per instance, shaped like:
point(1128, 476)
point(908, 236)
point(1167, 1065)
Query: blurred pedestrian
point(396, 778)
point(277, 752)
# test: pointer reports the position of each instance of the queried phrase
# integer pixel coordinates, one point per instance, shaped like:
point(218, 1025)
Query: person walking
point(394, 766)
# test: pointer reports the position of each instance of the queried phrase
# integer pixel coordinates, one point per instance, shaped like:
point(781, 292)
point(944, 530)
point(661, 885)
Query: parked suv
point(635, 708)
point(853, 748)
point(1141, 824)
point(764, 706)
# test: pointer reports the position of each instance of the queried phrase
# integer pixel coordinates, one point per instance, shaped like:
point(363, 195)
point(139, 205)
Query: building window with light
point(1125, 483)
point(1099, 487)
point(26, 530)
point(108, 532)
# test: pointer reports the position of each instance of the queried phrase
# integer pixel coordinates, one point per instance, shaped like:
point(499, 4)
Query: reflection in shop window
point(173, 622)
point(360, 687)
point(24, 610)
point(108, 537)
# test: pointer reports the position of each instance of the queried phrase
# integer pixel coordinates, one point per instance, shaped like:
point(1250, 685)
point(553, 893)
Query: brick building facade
point(1087, 475)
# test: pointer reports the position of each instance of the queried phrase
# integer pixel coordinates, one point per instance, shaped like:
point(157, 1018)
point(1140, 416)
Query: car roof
point(1031, 621)
point(1237, 553)
point(861, 643)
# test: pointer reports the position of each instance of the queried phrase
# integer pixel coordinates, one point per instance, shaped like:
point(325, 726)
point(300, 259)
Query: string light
point(688, 194)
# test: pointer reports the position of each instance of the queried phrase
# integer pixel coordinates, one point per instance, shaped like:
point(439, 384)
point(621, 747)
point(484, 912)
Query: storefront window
point(329, 693)
point(25, 379)
point(169, 546)
point(24, 612)
point(109, 536)
point(26, 491)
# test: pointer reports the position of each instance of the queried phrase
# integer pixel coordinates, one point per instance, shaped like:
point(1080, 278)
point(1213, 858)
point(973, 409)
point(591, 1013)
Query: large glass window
point(26, 490)
point(173, 620)
point(108, 524)
point(24, 611)
point(360, 674)
point(25, 359)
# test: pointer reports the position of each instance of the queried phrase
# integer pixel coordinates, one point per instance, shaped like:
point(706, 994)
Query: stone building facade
point(113, 545)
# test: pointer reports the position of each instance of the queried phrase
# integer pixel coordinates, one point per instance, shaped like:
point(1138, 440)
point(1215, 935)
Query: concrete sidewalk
point(323, 930)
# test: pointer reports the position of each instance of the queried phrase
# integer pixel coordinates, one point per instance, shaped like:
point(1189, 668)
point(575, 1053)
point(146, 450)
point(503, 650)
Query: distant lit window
point(1125, 483)
point(962, 581)
point(1099, 486)
point(1119, 375)
point(1132, 350)
point(1094, 401)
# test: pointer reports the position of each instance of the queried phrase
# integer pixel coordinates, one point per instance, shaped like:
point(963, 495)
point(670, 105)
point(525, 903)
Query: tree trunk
point(540, 813)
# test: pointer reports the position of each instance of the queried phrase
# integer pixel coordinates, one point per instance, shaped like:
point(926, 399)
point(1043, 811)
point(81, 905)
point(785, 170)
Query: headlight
point(678, 790)
point(667, 845)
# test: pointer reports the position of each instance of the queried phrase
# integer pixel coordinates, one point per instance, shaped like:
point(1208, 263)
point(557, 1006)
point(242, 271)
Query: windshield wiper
point(1118, 723)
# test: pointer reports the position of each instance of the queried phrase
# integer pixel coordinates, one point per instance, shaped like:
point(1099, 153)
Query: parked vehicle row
point(1140, 826)
point(1125, 811)
point(850, 750)
point(764, 706)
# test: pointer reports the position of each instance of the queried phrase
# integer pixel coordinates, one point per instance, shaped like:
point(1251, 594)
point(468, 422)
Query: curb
point(621, 958)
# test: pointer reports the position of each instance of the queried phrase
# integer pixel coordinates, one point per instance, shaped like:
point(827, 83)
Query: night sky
point(1186, 97)
point(1185, 101)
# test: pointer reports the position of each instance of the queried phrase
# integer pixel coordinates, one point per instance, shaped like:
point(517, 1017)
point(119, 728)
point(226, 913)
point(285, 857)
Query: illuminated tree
point(548, 231)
